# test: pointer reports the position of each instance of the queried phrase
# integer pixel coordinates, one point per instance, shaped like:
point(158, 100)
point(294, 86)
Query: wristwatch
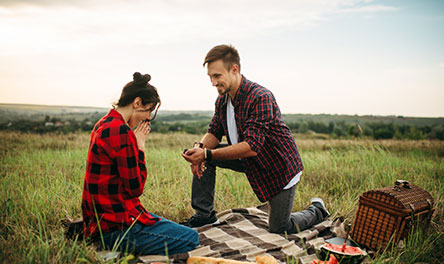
point(198, 145)
point(208, 154)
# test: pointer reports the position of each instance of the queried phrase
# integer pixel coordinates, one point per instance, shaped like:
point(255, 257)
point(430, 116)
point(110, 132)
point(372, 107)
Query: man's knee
point(277, 228)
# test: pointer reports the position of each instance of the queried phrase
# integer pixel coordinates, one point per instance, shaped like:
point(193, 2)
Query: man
point(259, 144)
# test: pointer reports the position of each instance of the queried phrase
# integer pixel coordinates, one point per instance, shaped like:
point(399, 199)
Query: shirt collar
point(114, 113)
point(240, 92)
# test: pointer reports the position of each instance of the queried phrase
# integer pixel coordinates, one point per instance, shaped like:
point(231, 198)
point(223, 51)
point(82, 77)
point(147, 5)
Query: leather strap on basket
point(429, 216)
point(412, 207)
point(401, 183)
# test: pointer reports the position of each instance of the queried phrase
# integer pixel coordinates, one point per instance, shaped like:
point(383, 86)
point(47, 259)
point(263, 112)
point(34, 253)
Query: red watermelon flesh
point(344, 249)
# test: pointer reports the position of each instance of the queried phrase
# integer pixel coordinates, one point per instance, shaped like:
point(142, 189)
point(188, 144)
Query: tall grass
point(41, 175)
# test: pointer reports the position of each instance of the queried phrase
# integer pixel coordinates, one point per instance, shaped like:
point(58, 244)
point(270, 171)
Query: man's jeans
point(153, 240)
point(280, 217)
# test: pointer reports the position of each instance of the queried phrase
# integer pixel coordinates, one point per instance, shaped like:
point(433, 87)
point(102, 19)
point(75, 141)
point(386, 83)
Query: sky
point(354, 57)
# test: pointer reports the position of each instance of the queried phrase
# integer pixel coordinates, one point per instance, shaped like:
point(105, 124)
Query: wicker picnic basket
point(386, 215)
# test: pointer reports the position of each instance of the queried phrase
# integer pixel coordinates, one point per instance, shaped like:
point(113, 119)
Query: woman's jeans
point(153, 240)
point(280, 219)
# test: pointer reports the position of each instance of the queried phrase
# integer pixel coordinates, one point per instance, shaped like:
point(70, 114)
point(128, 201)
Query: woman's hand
point(141, 132)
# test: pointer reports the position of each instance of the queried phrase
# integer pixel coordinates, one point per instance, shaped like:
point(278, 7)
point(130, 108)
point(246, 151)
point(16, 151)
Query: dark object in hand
point(198, 145)
point(185, 150)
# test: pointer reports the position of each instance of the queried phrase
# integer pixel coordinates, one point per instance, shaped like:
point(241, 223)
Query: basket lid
point(402, 195)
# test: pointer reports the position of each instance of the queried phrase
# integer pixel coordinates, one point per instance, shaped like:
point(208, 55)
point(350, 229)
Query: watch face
point(198, 145)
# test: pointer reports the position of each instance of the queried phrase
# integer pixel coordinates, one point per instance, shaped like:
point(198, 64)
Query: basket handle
point(401, 183)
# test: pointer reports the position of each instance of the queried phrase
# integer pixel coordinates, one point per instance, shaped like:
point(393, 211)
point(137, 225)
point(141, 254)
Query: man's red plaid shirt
point(114, 179)
point(259, 123)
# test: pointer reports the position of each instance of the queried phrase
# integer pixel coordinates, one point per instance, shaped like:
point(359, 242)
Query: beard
point(222, 90)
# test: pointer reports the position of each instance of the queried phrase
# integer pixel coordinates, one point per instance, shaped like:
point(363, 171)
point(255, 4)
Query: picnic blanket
point(242, 234)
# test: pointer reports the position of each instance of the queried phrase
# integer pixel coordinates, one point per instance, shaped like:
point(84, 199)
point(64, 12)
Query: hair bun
point(146, 77)
point(137, 76)
point(141, 79)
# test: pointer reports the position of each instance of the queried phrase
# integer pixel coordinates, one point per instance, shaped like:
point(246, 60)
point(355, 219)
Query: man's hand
point(196, 158)
point(198, 169)
point(141, 132)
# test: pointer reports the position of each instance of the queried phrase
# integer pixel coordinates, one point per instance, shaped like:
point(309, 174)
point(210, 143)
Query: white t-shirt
point(231, 123)
point(234, 138)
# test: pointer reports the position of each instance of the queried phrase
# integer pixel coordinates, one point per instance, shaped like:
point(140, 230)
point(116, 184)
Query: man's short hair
point(227, 53)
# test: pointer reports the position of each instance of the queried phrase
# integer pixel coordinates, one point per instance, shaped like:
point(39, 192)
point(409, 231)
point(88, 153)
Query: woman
point(115, 177)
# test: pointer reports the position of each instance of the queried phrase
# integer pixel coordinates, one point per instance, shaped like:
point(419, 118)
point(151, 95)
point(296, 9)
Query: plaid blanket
point(242, 234)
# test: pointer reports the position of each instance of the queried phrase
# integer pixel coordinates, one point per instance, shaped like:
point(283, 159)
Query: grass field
point(41, 175)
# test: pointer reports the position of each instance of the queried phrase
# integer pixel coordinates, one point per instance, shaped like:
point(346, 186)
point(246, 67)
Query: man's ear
point(235, 68)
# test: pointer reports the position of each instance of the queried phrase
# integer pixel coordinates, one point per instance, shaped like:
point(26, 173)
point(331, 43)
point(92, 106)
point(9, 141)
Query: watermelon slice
point(344, 254)
point(344, 249)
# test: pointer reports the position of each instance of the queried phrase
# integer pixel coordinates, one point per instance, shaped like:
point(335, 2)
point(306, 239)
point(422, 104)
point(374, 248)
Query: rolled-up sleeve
point(215, 126)
point(258, 122)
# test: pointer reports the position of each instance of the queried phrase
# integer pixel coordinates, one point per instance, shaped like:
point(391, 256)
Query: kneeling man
point(259, 144)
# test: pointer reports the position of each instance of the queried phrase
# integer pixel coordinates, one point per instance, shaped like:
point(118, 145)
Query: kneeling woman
point(115, 177)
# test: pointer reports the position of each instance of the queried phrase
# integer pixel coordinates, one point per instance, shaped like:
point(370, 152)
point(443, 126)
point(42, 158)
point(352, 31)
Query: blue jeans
point(153, 240)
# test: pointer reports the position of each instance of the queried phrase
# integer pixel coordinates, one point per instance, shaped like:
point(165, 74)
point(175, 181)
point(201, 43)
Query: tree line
point(198, 124)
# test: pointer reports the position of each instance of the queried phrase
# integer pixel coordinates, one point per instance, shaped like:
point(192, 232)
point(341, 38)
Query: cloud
point(21, 3)
point(48, 26)
point(369, 9)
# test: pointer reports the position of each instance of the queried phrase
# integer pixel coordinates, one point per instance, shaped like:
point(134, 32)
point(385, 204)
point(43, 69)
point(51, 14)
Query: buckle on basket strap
point(429, 215)
point(396, 188)
point(429, 203)
point(401, 183)
point(412, 207)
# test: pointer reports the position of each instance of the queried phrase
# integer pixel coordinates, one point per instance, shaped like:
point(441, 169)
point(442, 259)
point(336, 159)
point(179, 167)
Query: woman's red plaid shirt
point(114, 179)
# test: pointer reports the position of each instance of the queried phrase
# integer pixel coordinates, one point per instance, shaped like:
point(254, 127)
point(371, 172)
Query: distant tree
point(318, 127)
point(339, 132)
point(425, 129)
point(354, 130)
point(331, 127)
point(294, 127)
point(402, 130)
point(367, 131)
point(437, 132)
point(415, 133)
point(303, 128)
point(383, 133)
point(340, 129)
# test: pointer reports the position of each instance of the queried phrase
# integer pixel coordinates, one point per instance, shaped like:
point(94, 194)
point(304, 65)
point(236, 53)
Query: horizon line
point(332, 114)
